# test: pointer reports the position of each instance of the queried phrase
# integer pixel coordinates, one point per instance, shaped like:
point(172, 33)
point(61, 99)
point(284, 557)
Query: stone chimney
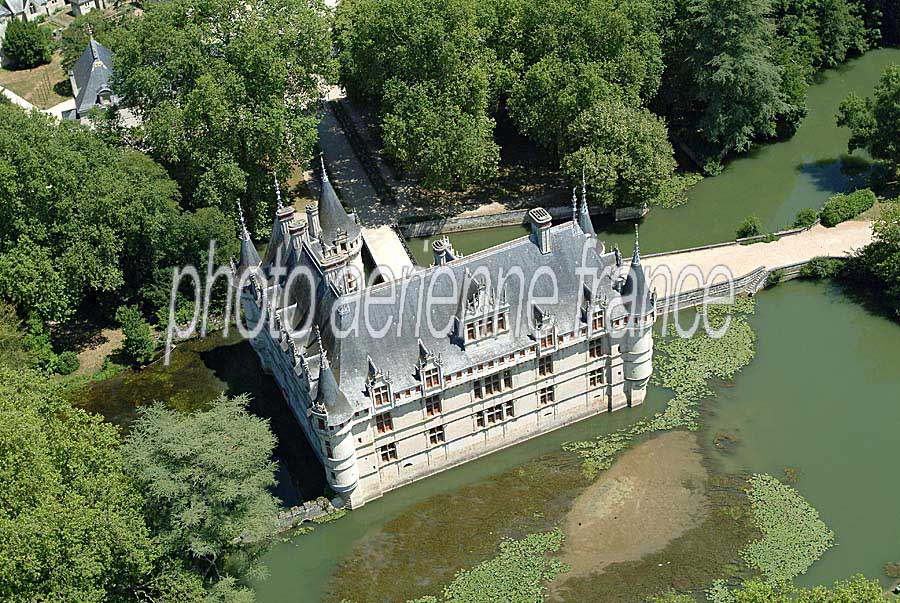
point(540, 228)
point(312, 220)
point(297, 232)
point(440, 252)
point(285, 215)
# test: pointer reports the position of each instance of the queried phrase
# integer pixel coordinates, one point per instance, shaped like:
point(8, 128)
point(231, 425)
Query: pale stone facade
point(381, 412)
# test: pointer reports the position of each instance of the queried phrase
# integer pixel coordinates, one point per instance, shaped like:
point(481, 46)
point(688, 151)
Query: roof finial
point(244, 233)
point(636, 258)
point(324, 364)
point(583, 188)
point(277, 191)
point(322, 162)
point(574, 209)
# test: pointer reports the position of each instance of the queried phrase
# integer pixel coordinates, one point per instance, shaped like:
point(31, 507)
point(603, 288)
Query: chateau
point(388, 387)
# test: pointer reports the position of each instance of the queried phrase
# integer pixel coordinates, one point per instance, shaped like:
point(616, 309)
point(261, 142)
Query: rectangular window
point(596, 377)
point(487, 327)
point(321, 424)
point(510, 410)
point(507, 379)
point(433, 406)
point(431, 378)
point(597, 323)
point(596, 349)
point(547, 341)
point(388, 452)
point(471, 332)
point(479, 391)
point(501, 322)
point(545, 365)
point(495, 414)
point(436, 435)
point(546, 395)
point(380, 395)
point(479, 418)
point(493, 384)
point(384, 423)
point(328, 452)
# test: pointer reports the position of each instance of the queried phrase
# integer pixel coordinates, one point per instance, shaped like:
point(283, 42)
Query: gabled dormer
point(593, 310)
point(482, 312)
point(428, 369)
point(378, 385)
point(543, 330)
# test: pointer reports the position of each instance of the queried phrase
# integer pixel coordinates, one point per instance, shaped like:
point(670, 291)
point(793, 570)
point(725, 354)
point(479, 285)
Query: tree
point(82, 221)
point(735, 79)
point(431, 137)
point(624, 152)
point(205, 479)
point(874, 122)
point(228, 93)
point(106, 29)
point(750, 227)
point(139, 345)
point(27, 44)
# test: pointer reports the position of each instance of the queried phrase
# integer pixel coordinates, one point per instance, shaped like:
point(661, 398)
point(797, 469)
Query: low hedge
point(841, 208)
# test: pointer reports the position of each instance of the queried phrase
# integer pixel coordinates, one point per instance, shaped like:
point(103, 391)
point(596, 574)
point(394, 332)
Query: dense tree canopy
point(227, 91)
point(27, 44)
point(80, 220)
point(874, 122)
point(71, 521)
point(205, 479)
point(858, 590)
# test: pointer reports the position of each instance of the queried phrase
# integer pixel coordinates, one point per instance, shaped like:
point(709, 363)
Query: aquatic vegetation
point(518, 574)
point(686, 366)
point(793, 536)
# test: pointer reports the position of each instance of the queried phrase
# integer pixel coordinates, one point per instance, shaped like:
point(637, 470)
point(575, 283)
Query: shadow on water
point(199, 371)
point(845, 173)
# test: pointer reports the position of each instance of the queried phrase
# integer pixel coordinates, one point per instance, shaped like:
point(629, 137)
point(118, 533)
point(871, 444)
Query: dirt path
point(652, 495)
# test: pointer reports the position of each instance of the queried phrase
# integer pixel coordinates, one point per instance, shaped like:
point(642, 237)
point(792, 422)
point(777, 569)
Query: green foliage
point(821, 268)
point(205, 479)
point(856, 590)
point(775, 277)
point(874, 122)
point(806, 218)
point(685, 366)
point(81, 221)
point(841, 208)
point(67, 363)
point(27, 44)
point(15, 351)
point(750, 227)
point(139, 345)
point(519, 573)
point(624, 152)
point(875, 270)
point(71, 522)
point(228, 93)
point(793, 536)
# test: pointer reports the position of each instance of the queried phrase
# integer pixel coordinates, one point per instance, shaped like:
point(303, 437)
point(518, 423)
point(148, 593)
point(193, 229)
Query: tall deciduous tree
point(736, 81)
point(624, 152)
point(71, 521)
point(874, 122)
point(27, 44)
point(205, 478)
point(228, 91)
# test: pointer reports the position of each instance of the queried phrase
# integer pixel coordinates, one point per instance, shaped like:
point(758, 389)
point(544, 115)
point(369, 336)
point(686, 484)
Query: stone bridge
point(682, 277)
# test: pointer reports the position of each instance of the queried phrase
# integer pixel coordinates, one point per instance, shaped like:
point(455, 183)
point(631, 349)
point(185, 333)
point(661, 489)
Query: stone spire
point(277, 192)
point(575, 220)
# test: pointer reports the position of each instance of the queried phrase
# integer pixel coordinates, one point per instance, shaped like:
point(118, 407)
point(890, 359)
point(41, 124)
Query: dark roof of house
point(92, 73)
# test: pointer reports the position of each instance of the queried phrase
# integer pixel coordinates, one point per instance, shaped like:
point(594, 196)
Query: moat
point(820, 398)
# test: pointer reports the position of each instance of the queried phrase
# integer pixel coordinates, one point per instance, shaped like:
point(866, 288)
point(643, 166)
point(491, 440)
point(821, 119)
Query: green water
point(466, 242)
point(823, 396)
point(773, 182)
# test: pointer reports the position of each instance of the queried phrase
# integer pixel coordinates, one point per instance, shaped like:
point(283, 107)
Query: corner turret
point(637, 347)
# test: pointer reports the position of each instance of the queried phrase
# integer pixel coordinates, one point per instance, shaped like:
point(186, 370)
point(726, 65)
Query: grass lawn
point(39, 86)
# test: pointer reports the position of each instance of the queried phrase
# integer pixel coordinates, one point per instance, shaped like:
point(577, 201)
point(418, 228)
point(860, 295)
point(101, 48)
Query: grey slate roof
point(92, 73)
point(15, 7)
point(332, 216)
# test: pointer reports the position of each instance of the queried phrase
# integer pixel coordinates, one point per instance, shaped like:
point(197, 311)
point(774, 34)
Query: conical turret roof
point(330, 396)
point(249, 256)
point(332, 217)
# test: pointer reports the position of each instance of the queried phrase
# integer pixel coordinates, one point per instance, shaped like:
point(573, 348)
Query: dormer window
point(597, 322)
point(380, 394)
point(547, 341)
point(431, 378)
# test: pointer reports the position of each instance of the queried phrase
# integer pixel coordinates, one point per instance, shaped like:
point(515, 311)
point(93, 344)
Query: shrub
point(775, 277)
point(841, 208)
point(806, 218)
point(821, 268)
point(750, 227)
point(139, 345)
point(67, 363)
point(27, 44)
